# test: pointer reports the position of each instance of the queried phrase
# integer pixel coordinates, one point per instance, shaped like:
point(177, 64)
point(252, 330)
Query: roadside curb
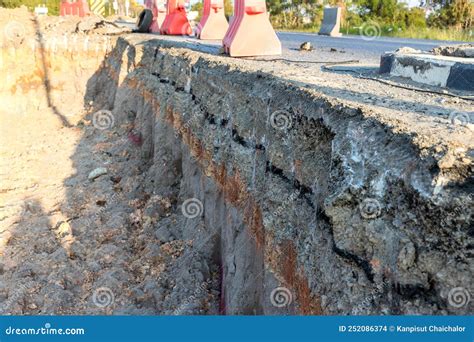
point(449, 72)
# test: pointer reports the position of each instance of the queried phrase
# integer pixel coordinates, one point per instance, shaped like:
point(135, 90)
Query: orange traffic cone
point(250, 32)
point(213, 24)
point(78, 8)
point(176, 22)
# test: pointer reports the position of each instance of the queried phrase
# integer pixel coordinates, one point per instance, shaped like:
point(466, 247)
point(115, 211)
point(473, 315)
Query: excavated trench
point(249, 194)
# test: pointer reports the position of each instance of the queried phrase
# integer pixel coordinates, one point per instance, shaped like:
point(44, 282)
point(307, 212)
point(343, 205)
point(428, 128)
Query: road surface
point(353, 46)
point(358, 46)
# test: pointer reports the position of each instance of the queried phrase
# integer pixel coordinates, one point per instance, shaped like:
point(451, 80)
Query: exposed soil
point(104, 141)
point(69, 244)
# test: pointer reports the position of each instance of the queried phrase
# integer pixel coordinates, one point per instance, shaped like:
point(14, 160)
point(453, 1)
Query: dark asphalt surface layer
point(365, 49)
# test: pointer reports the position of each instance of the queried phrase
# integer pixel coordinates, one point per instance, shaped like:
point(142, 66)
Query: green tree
point(53, 5)
point(296, 13)
point(415, 17)
point(228, 8)
point(453, 13)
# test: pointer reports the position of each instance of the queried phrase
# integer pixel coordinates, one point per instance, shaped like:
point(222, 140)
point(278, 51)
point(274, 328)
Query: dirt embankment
point(141, 177)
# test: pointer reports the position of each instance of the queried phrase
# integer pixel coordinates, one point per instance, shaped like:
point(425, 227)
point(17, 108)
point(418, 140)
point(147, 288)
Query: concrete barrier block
point(331, 22)
point(440, 71)
point(386, 62)
point(461, 77)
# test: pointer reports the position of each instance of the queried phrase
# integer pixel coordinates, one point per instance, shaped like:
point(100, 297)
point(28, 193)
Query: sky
point(411, 3)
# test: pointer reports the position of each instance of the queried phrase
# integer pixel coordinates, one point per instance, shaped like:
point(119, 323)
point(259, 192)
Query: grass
point(420, 33)
point(437, 34)
point(302, 29)
point(414, 33)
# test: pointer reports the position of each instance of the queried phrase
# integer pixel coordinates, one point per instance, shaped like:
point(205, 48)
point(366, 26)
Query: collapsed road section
point(176, 181)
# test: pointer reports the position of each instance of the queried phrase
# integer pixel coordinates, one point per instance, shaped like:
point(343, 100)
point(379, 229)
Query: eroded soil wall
point(304, 204)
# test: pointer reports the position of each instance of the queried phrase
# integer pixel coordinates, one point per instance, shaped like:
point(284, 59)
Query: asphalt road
point(358, 45)
point(352, 46)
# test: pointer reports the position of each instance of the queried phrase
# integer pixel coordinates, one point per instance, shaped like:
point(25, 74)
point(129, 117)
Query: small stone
point(447, 161)
point(115, 179)
point(100, 171)
point(407, 49)
point(101, 202)
point(306, 46)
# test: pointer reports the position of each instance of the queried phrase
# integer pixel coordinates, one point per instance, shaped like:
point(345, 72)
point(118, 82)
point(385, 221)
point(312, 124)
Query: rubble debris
point(96, 173)
point(97, 25)
point(306, 46)
point(462, 50)
point(407, 49)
